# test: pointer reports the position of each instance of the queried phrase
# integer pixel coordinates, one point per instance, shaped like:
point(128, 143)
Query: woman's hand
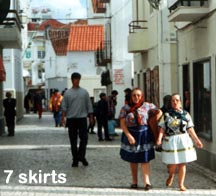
point(131, 139)
point(158, 142)
point(199, 144)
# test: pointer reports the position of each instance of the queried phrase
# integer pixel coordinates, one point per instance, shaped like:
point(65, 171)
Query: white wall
point(121, 11)
point(84, 63)
point(50, 61)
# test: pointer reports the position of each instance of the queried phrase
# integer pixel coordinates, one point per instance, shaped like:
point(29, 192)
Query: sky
point(63, 8)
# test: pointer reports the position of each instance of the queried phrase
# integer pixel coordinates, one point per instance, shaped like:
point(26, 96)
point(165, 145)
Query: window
point(41, 52)
point(202, 99)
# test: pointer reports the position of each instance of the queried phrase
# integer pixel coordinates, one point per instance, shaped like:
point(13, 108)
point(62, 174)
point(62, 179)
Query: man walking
point(10, 112)
point(76, 106)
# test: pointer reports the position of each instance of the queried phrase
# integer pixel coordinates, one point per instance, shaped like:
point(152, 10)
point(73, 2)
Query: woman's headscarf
point(135, 106)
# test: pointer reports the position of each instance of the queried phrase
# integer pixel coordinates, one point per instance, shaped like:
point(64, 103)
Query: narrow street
point(37, 162)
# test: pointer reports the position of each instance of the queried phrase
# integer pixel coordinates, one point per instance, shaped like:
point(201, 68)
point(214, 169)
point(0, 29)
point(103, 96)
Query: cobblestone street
point(42, 150)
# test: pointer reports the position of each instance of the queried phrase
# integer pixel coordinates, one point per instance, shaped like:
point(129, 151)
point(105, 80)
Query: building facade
point(10, 56)
point(174, 51)
point(194, 21)
point(115, 16)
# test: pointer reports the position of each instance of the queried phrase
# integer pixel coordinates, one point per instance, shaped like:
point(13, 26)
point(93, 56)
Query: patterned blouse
point(175, 122)
point(143, 112)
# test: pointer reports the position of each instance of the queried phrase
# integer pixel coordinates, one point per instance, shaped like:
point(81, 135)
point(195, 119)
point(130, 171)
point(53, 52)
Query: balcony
point(138, 36)
point(10, 31)
point(187, 10)
point(104, 55)
point(99, 6)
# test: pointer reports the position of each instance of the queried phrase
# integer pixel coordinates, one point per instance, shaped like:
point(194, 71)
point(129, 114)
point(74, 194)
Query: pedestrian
point(112, 102)
point(187, 100)
point(62, 93)
point(55, 107)
point(127, 92)
point(137, 142)
point(166, 104)
point(76, 106)
point(27, 99)
point(38, 98)
point(92, 125)
point(176, 131)
point(9, 104)
point(102, 118)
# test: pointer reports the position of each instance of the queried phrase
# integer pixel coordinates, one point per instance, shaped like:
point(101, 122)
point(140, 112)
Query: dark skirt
point(143, 150)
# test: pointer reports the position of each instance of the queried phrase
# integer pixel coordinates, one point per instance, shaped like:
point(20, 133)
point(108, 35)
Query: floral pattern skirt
point(143, 150)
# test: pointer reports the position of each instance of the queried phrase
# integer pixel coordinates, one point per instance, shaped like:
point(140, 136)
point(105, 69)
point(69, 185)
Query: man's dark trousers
point(78, 126)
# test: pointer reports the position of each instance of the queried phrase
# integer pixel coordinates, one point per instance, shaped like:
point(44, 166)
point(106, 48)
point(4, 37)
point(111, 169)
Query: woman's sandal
point(148, 187)
point(134, 186)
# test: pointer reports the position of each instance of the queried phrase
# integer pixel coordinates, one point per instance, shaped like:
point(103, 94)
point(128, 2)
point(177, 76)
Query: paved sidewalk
point(42, 150)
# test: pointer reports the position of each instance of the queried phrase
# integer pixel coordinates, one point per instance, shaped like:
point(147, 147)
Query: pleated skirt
point(178, 149)
point(143, 150)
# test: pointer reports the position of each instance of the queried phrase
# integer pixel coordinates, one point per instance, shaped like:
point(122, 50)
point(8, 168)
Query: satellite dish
point(4, 8)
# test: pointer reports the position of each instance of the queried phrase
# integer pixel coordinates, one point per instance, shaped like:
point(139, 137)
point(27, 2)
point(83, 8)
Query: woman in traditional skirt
point(176, 131)
point(137, 142)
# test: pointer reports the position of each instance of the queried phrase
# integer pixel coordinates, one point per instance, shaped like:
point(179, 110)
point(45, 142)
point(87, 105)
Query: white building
point(195, 28)
point(115, 16)
point(10, 57)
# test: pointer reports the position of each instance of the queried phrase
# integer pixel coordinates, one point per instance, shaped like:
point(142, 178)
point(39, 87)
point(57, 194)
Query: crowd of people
point(145, 127)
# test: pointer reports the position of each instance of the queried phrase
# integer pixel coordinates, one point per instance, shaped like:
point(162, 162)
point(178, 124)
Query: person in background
point(55, 107)
point(165, 108)
point(76, 106)
point(91, 126)
point(102, 118)
point(187, 100)
point(38, 98)
point(27, 99)
point(176, 135)
point(137, 142)
point(166, 104)
point(9, 104)
point(127, 92)
point(112, 102)
point(62, 93)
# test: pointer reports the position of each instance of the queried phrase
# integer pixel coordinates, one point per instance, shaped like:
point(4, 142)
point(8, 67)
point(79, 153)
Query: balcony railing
point(98, 6)
point(138, 38)
point(12, 20)
point(137, 25)
point(187, 10)
point(10, 30)
point(104, 54)
point(188, 3)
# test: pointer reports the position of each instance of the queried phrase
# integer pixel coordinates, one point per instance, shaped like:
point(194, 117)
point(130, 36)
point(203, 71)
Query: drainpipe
point(2, 125)
point(177, 57)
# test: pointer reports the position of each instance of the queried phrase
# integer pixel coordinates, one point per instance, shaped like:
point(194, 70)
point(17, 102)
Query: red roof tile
point(52, 23)
point(86, 38)
point(32, 26)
